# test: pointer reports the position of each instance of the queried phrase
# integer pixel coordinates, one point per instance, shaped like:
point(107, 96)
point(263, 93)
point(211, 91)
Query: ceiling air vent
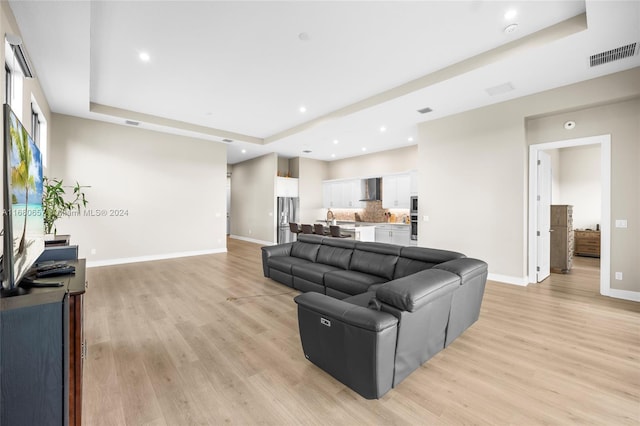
point(425, 110)
point(132, 123)
point(227, 140)
point(613, 54)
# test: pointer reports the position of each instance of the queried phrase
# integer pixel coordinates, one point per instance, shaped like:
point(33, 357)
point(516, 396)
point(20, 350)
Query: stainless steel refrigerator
point(288, 211)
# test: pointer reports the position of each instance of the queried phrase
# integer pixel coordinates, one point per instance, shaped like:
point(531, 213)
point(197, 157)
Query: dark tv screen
point(23, 219)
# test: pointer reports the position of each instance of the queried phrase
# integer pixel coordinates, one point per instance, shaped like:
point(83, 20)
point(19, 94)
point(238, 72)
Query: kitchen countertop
point(359, 224)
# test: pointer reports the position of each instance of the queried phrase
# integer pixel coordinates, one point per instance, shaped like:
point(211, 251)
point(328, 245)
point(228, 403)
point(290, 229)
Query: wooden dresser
point(561, 238)
point(587, 243)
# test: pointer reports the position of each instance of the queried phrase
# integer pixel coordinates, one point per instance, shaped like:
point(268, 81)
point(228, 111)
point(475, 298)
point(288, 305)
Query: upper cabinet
point(396, 191)
point(342, 194)
point(286, 187)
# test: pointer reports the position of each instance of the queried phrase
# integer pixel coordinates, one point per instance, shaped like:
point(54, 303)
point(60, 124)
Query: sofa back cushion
point(375, 259)
point(334, 256)
point(416, 259)
point(302, 250)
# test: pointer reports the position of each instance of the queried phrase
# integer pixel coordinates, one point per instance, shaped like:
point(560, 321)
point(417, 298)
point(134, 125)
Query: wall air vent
point(227, 140)
point(132, 123)
point(425, 110)
point(613, 54)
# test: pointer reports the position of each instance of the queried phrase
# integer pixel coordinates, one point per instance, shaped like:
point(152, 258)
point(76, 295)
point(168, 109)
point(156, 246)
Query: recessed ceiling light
point(244, 151)
point(335, 141)
point(307, 151)
point(510, 28)
point(333, 156)
point(304, 37)
point(303, 109)
point(410, 139)
point(364, 149)
point(383, 129)
point(510, 14)
point(144, 57)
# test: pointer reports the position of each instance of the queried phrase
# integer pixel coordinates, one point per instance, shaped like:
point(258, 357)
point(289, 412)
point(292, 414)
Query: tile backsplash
point(373, 212)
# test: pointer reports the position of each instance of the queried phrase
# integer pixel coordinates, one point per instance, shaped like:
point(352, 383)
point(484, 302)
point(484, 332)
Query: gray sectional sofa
point(371, 313)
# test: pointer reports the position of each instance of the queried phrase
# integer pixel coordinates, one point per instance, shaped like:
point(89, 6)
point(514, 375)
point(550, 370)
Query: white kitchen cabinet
point(342, 194)
point(393, 234)
point(396, 191)
point(286, 187)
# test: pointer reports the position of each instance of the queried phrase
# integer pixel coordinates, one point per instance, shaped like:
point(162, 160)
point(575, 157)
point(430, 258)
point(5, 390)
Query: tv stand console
point(42, 352)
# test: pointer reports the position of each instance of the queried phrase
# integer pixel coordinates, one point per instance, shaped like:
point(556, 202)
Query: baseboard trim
point(506, 279)
point(251, 240)
point(634, 296)
point(150, 258)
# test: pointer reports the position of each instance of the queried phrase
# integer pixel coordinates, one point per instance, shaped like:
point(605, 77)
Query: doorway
point(535, 250)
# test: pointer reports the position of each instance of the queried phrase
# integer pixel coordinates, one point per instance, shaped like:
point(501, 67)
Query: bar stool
point(307, 229)
point(295, 229)
point(335, 232)
point(318, 229)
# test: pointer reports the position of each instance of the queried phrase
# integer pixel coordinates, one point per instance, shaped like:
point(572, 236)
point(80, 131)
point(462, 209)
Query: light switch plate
point(621, 223)
point(618, 275)
point(425, 218)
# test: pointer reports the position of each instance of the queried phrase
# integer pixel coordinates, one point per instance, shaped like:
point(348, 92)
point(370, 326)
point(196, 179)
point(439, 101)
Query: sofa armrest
point(357, 316)
point(413, 291)
point(466, 268)
point(277, 250)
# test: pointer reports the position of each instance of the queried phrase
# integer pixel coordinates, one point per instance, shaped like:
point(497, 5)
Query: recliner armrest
point(277, 250)
point(466, 268)
point(413, 291)
point(357, 316)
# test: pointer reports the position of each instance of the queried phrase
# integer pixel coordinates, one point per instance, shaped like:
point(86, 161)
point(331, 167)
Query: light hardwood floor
point(209, 340)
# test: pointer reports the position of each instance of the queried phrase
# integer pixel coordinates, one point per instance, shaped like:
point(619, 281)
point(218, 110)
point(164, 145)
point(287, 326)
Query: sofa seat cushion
point(285, 263)
point(313, 272)
point(351, 282)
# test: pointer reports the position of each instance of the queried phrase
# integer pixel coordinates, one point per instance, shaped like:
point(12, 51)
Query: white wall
point(163, 195)
point(253, 200)
point(375, 164)
point(474, 172)
point(579, 181)
point(312, 173)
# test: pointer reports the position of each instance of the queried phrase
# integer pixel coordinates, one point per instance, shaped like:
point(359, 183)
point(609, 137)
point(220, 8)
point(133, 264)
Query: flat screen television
point(23, 218)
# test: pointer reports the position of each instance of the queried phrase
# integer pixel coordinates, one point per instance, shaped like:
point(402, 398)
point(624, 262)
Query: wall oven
point(414, 227)
point(414, 205)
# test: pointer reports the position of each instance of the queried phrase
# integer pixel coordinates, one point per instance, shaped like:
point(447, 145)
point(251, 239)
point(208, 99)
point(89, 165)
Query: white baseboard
point(251, 240)
point(123, 260)
point(624, 294)
point(521, 281)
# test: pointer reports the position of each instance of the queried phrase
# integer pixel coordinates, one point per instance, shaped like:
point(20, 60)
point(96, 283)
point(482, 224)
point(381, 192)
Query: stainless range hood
point(370, 189)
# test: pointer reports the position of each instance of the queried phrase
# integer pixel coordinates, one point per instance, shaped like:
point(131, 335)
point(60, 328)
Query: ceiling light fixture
point(510, 14)
point(144, 57)
point(307, 151)
point(335, 141)
point(410, 139)
point(383, 129)
point(304, 36)
point(364, 149)
point(333, 156)
point(570, 125)
point(303, 109)
point(244, 151)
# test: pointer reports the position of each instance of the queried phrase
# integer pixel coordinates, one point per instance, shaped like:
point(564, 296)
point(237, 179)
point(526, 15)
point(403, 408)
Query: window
point(35, 123)
point(8, 85)
point(39, 129)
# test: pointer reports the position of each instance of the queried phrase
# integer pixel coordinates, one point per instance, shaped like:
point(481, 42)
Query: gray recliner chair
point(373, 341)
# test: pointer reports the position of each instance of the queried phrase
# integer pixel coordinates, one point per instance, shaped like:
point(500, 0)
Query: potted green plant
point(56, 204)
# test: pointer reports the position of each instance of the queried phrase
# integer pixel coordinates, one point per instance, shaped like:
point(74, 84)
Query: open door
point(544, 216)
